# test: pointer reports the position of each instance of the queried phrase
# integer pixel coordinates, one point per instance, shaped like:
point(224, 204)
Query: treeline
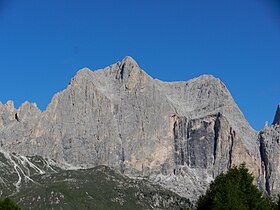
point(235, 190)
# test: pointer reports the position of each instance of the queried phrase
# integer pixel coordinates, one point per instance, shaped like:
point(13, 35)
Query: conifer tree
point(8, 204)
point(233, 190)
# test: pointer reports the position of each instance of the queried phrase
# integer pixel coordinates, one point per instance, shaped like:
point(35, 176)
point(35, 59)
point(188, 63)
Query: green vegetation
point(8, 204)
point(96, 188)
point(234, 190)
point(104, 188)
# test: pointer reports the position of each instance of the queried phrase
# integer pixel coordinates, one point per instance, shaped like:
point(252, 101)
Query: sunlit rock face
point(180, 134)
point(269, 138)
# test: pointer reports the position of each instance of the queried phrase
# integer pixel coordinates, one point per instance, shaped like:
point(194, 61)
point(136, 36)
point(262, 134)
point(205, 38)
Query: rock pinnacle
point(277, 116)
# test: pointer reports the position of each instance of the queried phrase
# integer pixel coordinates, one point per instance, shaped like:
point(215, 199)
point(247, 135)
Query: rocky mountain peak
point(128, 67)
point(277, 116)
point(121, 117)
point(265, 125)
point(83, 73)
point(121, 71)
point(9, 106)
point(81, 76)
point(129, 61)
point(27, 111)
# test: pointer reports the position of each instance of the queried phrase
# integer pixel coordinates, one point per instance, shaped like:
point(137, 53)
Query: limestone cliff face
point(269, 139)
point(116, 117)
point(180, 134)
point(17, 126)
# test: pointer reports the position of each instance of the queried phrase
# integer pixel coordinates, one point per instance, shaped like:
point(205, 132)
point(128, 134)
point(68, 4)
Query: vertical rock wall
point(180, 134)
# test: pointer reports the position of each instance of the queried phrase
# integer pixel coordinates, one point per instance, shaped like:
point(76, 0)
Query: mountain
point(178, 134)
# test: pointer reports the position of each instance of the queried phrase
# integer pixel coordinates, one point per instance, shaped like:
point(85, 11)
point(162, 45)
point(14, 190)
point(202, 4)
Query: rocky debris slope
point(180, 134)
point(18, 170)
point(37, 183)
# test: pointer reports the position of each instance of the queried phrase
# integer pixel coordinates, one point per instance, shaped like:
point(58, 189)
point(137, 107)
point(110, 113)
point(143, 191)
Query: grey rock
point(277, 116)
point(180, 134)
point(269, 138)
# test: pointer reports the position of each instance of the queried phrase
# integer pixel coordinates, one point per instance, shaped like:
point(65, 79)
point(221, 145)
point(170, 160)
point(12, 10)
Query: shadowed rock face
point(276, 120)
point(180, 134)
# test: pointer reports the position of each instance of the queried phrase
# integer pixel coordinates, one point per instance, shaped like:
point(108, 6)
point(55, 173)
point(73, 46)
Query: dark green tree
point(8, 204)
point(233, 190)
point(277, 204)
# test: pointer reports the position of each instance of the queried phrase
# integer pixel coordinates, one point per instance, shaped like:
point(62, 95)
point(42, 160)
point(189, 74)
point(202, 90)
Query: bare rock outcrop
point(180, 134)
point(269, 138)
point(276, 120)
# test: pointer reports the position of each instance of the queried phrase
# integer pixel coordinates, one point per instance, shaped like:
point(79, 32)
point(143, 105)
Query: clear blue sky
point(44, 43)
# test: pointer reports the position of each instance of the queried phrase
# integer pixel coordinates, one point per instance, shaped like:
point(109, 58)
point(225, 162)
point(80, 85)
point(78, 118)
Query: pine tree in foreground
point(8, 204)
point(234, 190)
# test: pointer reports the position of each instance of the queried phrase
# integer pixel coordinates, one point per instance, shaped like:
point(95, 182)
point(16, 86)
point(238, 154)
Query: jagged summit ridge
point(276, 120)
point(127, 72)
point(196, 98)
point(131, 100)
point(121, 117)
point(130, 61)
